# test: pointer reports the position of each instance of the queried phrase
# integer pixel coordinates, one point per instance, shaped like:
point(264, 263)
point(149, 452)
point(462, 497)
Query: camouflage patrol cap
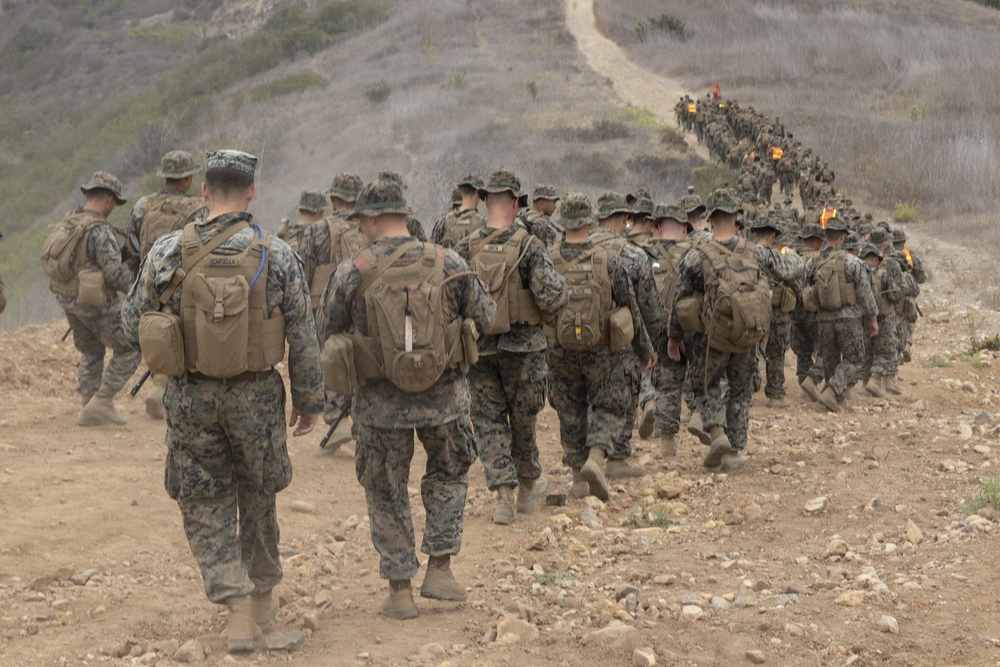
point(812, 231)
point(869, 249)
point(102, 180)
point(898, 235)
point(472, 181)
point(669, 212)
point(382, 197)
point(391, 176)
point(544, 192)
point(177, 164)
point(611, 203)
point(313, 201)
point(576, 211)
point(726, 200)
point(230, 159)
point(879, 237)
point(852, 242)
point(837, 224)
point(346, 187)
point(501, 180)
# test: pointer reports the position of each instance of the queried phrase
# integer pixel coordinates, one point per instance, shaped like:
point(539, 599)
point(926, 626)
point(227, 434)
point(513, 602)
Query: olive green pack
point(497, 264)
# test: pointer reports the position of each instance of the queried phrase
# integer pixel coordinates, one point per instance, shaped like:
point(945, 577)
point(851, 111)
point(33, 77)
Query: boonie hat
point(611, 203)
point(382, 197)
point(346, 187)
point(177, 164)
point(576, 211)
point(313, 201)
point(723, 199)
point(102, 180)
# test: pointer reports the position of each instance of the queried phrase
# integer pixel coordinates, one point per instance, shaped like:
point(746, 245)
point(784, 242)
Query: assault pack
point(346, 242)
point(224, 328)
point(458, 225)
point(71, 272)
point(735, 310)
point(165, 213)
point(666, 267)
point(497, 264)
point(589, 317)
point(830, 290)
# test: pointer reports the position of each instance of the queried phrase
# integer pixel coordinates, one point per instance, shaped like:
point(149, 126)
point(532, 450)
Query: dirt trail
point(634, 84)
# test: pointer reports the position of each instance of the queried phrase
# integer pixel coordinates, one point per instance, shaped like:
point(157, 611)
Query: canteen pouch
point(222, 323)
point(621, 329)
point(809, 299)
point(162, 343)
point(689, 314)
point(90, 291)
point(788, 301)
point(470, 350)
point(339, 373)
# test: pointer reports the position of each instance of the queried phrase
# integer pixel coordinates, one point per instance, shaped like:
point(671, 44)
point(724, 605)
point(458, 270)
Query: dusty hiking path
point(94, 567)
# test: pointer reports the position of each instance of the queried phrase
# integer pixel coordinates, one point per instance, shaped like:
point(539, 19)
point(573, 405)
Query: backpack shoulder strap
point(476, 246)
point(371, 271)
point(202, 252)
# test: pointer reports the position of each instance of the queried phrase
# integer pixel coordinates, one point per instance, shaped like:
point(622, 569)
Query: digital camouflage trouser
point(777, 342)
point(633, 378)
point(730, 410)
point(668, 377)
point(882, 352)
point(805, 345)
point(95, 329)
point(382, 462)
point(226, 460)
point(508, 392)
point(842, 343)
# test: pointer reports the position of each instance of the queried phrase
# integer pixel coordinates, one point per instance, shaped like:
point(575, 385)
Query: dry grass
point(900, 98)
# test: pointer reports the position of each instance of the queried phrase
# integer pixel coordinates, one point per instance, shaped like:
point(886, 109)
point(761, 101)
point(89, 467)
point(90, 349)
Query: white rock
point(756, 657)
point(189, 652)
point(913, 532)
point(888, 624)
point(816, 504)
point(516, 631)
point(795, 630)
point(691, 612)
point(851, 599)
point(616, 634)
point(643, 657)
point(303, 506)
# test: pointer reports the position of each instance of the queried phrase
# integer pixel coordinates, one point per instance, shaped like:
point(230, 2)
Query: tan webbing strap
point(486, 241)
point(182, 271)
point(382, 266)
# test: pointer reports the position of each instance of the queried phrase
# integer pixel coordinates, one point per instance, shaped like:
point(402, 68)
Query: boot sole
point(503, 520)
point(154, 408)
point(629, 473)
point(440, 593)
point(537, 494)
point(810, 391)
point(646, 425)
point(718, 449)
point(874, 392)
point(405, 615)
point(578, 492)
point(701, 435)
point(832, 407)
point(596, 481)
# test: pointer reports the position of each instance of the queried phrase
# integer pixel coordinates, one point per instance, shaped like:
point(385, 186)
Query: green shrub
point(295, 83)
point(906, 211)
point(712, 176)
point(668, 25)
point(981, 343)
point(533, 90)
point(378, 91)
point(986, 495)
point(457, 82)
point(995, 4)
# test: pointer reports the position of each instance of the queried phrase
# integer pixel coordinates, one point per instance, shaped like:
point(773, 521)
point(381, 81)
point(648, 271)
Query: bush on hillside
point(378, 91)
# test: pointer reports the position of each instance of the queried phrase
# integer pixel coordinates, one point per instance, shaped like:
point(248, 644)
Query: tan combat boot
point(668, 445)
point(875, 386)
point(580, 487)
point(810, 389)
point(241, 630)
point(263, 609)
point(529, 492)
point(154, 400)
point(891, 386)
point(439, 582)
point(828, 399)
point(86, 399)
point(398, 605)
point(697, 429)
point(719, 448)
point(101, 410)
point(906, 355)
point(646, 419)
point(777, 403)
point(621, 470)
point(593, 472)
point(733, 461)
point(504, 513)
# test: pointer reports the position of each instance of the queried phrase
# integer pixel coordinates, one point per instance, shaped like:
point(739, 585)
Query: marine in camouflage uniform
point(590, 389)
point(538, 218)
point(315, 251)
point(466, 219)
point(882, 355)
point(915, 270)
point(388, 416)
point(226, 453)
point(156, 214)
point(612, 212)
point(765, 231)
point(724, 416)
point(805, 328)
point(508, 381)
point(841, 334)
point(96, 328)
point(640, 233)
point(312, 203)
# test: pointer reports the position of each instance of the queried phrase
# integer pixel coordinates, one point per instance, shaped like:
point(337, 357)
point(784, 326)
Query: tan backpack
point(666, 267)
point(736, 312)
point(408, 343)
point(71, 272)
point(584, 322)
point(165, 213)
point(830, 289)
point(346, 242)
point(224, 328)
point(497, 264)
point(458, 225)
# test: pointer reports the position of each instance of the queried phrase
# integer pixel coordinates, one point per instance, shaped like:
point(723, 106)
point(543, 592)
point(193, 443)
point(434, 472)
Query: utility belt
point(245, 376)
